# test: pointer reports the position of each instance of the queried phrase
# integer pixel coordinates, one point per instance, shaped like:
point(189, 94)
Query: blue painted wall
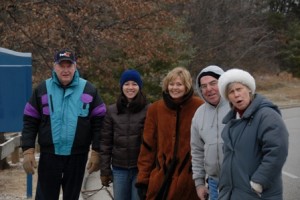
point(15, 88)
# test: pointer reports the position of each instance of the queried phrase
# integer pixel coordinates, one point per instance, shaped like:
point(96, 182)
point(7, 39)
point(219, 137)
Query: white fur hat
point(235, 75)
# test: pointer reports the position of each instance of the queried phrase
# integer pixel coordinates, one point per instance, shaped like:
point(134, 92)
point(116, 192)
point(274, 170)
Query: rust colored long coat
point(159, 136)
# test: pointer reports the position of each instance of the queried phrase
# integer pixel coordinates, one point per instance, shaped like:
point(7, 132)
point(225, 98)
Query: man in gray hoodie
point(206, 128)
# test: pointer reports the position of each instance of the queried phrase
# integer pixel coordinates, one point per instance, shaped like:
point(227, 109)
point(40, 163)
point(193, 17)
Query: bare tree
point(107, 35)
point(232, 33)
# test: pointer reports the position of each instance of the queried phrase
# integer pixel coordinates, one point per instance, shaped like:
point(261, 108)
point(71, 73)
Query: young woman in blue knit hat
point(121, 137)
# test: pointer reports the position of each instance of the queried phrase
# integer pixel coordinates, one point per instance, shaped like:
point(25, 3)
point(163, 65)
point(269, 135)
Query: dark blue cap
point(131, 75)
point(64, 54)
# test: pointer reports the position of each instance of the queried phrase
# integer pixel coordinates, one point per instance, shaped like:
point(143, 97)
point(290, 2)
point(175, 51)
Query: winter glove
point(29, 162)
point(106, 180)
point(94, 162)
point(256, 187)
point(142, 190)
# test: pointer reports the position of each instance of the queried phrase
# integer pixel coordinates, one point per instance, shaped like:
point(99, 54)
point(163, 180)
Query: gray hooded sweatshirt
point(206, 141)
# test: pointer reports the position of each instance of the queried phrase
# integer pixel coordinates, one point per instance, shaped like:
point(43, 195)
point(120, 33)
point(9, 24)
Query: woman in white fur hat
point(255, 141)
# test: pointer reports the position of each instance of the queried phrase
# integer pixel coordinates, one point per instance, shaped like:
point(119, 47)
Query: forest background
point(109, 36)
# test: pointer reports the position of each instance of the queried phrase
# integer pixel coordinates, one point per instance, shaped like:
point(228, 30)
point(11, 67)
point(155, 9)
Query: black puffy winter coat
point(121, 138)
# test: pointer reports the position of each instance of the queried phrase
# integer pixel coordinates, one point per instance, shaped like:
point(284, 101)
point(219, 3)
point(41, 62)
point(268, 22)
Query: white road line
point(289, 175)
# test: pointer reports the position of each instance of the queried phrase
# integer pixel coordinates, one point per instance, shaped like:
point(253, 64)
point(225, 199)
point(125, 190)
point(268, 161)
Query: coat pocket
point(85, 101)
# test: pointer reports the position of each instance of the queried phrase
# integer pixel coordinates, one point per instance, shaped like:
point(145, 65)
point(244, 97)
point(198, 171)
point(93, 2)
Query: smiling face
point(239, 95)
point(130, 89)
point(176, 88)
point(65, 71)
point(210, 90)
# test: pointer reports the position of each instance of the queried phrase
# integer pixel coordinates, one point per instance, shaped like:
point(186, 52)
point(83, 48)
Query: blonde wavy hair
point(180, 72)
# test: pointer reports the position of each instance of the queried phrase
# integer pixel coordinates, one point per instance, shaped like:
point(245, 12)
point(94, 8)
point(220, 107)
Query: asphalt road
point(291, 170)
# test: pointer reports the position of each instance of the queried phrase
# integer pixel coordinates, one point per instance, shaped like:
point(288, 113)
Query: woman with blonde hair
point(164, 162)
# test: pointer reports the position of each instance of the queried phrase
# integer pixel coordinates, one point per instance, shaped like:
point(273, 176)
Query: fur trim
point(235, 75)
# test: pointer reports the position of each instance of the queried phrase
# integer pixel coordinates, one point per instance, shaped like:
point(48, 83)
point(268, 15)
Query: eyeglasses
point(211, 84)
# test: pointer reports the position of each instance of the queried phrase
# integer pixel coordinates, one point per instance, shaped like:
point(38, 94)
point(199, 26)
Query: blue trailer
point(15, 88)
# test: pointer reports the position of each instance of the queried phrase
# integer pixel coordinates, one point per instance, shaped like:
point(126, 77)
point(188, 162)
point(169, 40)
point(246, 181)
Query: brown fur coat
point(167, 121)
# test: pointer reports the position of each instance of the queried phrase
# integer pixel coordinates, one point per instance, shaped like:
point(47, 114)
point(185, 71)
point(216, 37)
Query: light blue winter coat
point(255, 148)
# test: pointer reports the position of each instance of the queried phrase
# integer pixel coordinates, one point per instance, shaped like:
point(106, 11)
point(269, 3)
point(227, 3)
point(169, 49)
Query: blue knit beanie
point(131, 75)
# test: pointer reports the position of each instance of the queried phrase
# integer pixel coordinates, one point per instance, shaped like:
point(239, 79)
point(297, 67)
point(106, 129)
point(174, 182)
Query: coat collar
point(174, 105)
point(75, 80)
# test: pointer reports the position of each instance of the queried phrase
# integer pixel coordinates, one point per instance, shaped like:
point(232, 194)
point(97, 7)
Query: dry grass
point(282, 89)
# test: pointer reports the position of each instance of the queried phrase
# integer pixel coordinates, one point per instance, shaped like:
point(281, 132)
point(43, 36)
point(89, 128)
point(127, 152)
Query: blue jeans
point(124, 183)
point(213, 189)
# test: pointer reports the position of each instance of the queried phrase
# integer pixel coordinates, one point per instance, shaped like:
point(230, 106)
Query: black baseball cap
point(64, 54)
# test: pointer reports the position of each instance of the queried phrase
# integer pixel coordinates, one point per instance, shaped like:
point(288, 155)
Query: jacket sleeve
point(147, 156)
point(274, 143)
point(106, 144)
point(31, 122)
point(197, 152)
point(97, 113)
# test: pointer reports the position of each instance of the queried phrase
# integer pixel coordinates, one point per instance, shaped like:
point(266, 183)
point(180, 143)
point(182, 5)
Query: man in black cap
point(65, 113)
point(206, 129)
